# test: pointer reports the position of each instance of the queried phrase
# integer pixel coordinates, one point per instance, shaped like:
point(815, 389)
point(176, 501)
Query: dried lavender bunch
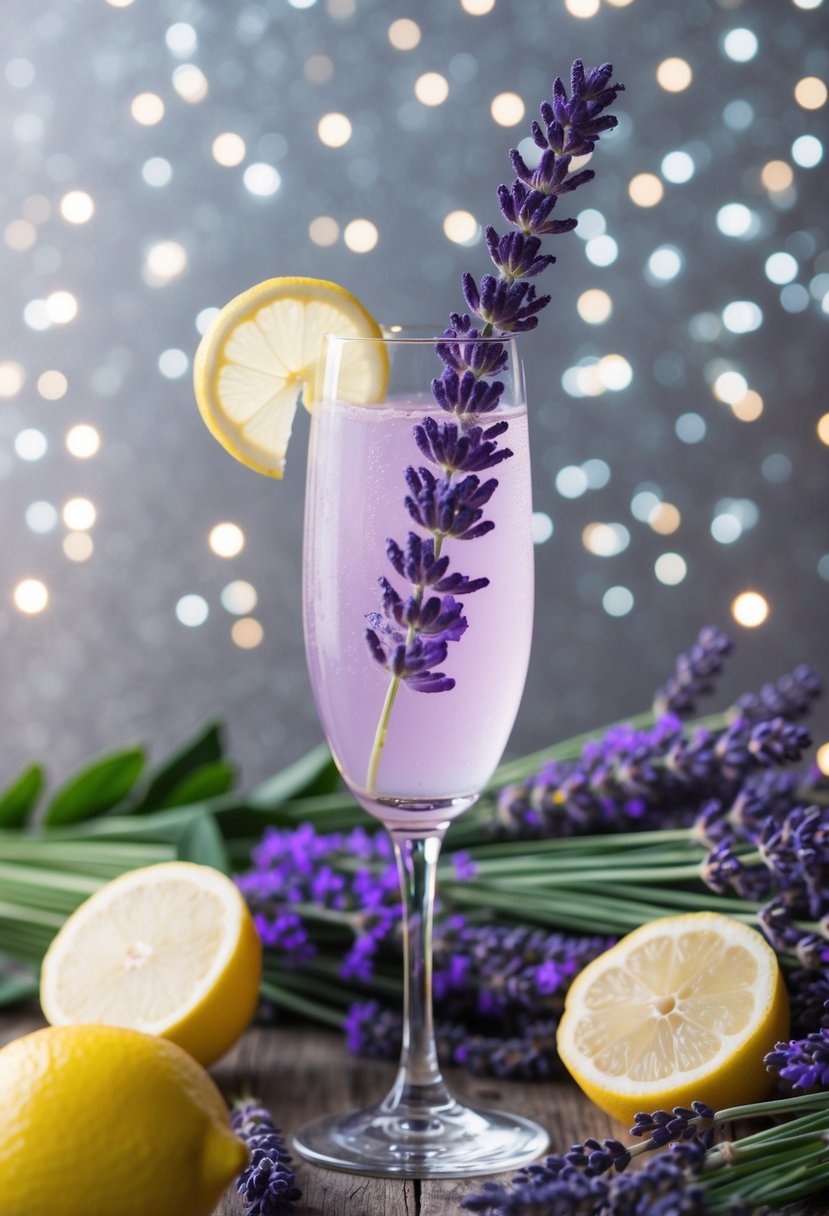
point(662, 774)
point(410, 636)
point(268, 1184)
point(517, 1053)
point(693, 1176)
point(301, 879)
point(498, 992)
point(653, 777)
point(506, 968)
point(791, 861)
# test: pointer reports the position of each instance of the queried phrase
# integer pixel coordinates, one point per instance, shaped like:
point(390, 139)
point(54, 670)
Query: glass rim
point(409, 340)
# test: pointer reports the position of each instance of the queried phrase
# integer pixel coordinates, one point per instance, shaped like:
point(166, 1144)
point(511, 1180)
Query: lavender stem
point(381, 733)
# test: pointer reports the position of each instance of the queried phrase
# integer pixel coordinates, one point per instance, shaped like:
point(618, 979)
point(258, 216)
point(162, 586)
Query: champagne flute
point(416, 747)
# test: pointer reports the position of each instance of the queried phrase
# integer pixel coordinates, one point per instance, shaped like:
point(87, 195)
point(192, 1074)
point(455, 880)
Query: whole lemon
point(103, 1121)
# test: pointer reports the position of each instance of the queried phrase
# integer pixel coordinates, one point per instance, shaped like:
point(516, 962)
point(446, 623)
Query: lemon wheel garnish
point(169, 949)
point(262, 352)
point(682, 1009)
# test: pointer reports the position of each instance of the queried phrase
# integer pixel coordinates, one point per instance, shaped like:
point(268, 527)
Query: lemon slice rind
point(260, 354)
point(169, 949)
point(682, 1008)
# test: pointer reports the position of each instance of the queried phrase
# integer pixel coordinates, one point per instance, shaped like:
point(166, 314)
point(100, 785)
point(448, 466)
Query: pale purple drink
point(439, 745)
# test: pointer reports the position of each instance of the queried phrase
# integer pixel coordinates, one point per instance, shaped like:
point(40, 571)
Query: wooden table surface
point(299, 1074)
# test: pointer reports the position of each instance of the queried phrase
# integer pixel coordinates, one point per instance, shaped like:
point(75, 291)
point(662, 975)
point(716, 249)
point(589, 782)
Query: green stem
point(285, 999)
point(380, 734)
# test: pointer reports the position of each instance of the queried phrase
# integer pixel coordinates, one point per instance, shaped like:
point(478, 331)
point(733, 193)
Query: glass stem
point(419, 1085)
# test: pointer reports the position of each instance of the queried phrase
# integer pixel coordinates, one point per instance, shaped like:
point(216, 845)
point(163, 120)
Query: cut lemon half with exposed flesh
point(169, 949)
point(262, 351)
point(682, 1009)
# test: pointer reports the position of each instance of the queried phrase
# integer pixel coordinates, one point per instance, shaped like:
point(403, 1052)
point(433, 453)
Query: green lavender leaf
point(313, 773)
point(19, 799)
point(17, 987)
point(97, 788)
point(209, 781)
point(205, 748)
point(201, 841)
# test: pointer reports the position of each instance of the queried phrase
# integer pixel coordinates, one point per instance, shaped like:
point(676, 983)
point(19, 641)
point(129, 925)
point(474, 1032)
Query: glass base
point(450, 1141)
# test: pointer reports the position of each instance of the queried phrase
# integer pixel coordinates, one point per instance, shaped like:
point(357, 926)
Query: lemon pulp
point(681, 1009)
point(169, 949)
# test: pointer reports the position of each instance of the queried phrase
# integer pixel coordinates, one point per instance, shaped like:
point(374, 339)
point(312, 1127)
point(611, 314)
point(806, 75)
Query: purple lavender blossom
point(694, 673)
point(647, 778)
point(569, 1191)
point(372, 1031)
point(796, 852)
point(804, 1063)
point(777, 920)
point(527, 1055)
point(768, 795)
point(789, 697)
point(573, 1184)
point(666, 1186)
point(808, 1000)
point(663, 1127)
point(419, 565)
point(456, 452)
point(498, 992)
point(267, 1184)
point(296, 866)
point(452, 506)
point(509, 967)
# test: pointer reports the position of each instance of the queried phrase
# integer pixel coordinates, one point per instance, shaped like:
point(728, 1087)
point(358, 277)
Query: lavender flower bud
point(529, 210)
point(421, 568)
point(693, 673)
point(412, 662)
point(802, 1062)
point(481, 358)
point(551, 175)
point(472, 452)
point(267, 1184)
point(449, 508)
point(465, 394)
point(808, 999)
point(516, 255)
point(508, 306)
point(789, 697)
point(437, 616)
point(682, 1123)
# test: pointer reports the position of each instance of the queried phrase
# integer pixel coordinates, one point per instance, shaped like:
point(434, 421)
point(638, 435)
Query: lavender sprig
point(267, 1184)
point(694, 673)
point(451, 505)
point(804, 1063)
point(692, 1176)
point(652, 777)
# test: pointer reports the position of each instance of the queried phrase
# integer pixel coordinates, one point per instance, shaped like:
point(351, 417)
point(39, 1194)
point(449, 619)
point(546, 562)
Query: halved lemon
point(169, 949)
point(262, 352)
point(682, 1009)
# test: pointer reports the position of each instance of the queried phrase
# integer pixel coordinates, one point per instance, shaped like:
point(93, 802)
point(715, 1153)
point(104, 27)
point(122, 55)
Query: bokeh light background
point(159, 156)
